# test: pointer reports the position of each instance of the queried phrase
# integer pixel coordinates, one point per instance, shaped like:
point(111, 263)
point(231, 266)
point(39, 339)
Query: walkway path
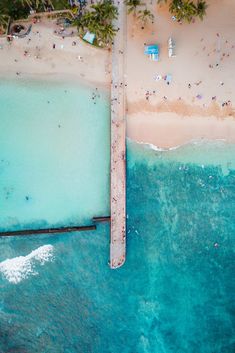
point(118, 145)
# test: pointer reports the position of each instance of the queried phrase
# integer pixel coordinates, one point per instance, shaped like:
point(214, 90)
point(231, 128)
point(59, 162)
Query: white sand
point(80, 61)
point(180, 116)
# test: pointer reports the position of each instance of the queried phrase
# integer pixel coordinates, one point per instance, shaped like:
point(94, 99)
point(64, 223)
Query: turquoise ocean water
point(175, 292)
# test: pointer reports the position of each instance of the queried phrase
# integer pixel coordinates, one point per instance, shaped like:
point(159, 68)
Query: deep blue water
point(175, 292)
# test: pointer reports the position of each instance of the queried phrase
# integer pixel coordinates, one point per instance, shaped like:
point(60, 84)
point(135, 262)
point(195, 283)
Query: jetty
point(101, 219)
point(26, 232)
point(118, 144)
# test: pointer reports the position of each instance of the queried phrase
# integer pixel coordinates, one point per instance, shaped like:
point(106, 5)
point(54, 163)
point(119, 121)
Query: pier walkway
point(118, 144)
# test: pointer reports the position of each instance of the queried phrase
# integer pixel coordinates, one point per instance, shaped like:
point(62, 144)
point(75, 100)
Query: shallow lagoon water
point(54, 140)
point(175, 291)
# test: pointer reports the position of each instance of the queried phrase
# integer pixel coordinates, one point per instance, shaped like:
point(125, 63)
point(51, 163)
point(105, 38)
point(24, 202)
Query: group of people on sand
point(221, 55)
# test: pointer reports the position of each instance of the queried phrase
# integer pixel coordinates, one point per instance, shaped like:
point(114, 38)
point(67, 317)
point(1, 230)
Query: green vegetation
point(187, 10)
point(144, 16)
point(98, 20)
point(61, 4)
point(135, 7)
point(17, 9)
point(201, 9)
point(4, 21)
point(14, 9)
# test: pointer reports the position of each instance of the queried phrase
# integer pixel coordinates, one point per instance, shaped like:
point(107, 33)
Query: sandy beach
point(198, 102)
point(34, 55)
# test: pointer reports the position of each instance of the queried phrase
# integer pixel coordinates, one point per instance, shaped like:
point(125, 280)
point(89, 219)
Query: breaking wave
point(21, 267)
point(200, 142)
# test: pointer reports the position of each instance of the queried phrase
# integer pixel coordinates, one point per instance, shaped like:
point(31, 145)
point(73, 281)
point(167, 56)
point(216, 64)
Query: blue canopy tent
point(152, 51)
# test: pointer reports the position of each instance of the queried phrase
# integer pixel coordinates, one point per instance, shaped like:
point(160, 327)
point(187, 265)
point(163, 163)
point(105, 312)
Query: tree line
point(98, 18)
point(182, 10)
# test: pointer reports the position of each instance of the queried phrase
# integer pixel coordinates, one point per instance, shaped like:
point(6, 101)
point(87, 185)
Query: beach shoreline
point(187, 97)
point(44, 56)
point(198, 103)
point(55, 78)
point(168, 130)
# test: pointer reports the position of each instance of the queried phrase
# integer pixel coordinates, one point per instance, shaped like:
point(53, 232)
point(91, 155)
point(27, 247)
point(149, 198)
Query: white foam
point(21, 267)
point(192, 142)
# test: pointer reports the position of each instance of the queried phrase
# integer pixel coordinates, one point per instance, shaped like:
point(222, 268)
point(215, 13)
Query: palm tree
point(133, 5)
point(186, 9)
point(4, 19)
point(107, 33)
point(15, 8)
point(87, 20)
point(43, 3)
point(26, 3)
point(201, 9)
point(175, 6)
point(183, 10)
point(189, 10)
point(36, 3)
point(112, 11)
point(144, 16)
point(98, 20)
point(105, 11)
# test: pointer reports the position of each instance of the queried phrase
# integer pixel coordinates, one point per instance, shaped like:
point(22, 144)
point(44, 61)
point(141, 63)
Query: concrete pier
point(118, 144)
